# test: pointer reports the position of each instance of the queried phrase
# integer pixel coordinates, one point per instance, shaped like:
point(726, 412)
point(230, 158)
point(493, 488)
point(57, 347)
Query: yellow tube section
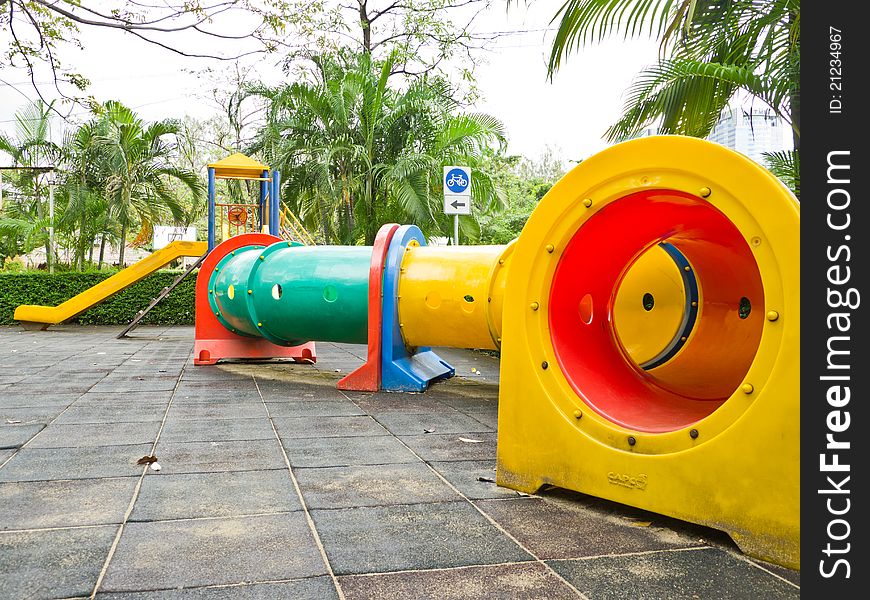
point(452, 295)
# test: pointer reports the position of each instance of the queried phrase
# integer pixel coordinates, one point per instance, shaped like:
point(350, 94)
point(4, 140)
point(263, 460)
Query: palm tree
point(136, 160)
point(710, 49)
point(355, 153)
point(33, 150)
point(82, 189)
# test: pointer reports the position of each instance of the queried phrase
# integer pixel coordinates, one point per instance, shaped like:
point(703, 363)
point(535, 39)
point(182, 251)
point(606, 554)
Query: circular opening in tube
point(277, 291)
point(745, 308)
point(648, 302)
point(665, 367)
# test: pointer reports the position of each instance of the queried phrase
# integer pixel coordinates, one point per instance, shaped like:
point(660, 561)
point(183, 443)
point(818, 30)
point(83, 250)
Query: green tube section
point(291, 294)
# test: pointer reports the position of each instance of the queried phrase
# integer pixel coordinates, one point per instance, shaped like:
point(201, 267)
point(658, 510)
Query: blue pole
point(210, 208)
point(264, 191)
point(276, 203)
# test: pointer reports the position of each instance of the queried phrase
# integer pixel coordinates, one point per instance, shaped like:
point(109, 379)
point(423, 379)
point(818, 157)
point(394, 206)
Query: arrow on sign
point(457, 204)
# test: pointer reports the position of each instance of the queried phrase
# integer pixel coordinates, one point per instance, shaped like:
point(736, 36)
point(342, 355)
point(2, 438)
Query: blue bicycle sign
point(456, 181)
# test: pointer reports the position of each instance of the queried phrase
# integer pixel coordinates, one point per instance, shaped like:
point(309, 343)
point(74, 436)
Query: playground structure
point(231, 218)
point(267, 216)
point(647, 317)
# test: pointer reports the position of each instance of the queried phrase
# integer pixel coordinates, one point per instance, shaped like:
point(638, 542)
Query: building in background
point(750, 133)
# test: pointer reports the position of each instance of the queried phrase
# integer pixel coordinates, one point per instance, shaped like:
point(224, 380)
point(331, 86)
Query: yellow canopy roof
point(238, 165)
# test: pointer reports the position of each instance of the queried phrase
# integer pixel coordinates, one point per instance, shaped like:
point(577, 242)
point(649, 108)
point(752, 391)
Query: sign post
point(457, 195)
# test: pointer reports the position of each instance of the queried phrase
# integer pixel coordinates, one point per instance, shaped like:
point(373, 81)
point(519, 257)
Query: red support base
point(215, 342)
point(367, 378)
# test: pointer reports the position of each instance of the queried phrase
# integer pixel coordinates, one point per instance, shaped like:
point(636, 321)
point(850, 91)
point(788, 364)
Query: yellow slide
point(52, 315)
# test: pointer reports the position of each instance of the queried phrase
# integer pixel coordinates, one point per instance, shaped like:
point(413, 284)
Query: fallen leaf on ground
point(486, 479)
point(470, 441)
point(147, 460)
point(12, 421)
point(428, 431)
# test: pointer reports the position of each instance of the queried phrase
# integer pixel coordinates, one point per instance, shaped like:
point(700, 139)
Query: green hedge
point(52, 289)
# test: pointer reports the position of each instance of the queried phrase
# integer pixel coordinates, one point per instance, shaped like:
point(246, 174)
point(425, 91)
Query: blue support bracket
point(404, 369)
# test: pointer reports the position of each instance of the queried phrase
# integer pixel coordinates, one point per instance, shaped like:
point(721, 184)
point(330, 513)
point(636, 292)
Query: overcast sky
point(569, 115)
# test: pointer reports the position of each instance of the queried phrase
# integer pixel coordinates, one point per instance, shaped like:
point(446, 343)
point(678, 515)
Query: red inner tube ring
point(717, 354)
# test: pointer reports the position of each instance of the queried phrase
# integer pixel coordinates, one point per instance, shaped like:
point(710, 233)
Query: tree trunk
point(372, 197)
point(366, 25)
point(122, 245)
point(80, 246)
point(102, 251)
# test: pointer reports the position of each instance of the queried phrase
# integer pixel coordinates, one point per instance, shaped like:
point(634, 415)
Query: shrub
point(33, 287)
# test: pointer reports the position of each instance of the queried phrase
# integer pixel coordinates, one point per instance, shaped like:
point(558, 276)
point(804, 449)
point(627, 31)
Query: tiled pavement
point(274, 484)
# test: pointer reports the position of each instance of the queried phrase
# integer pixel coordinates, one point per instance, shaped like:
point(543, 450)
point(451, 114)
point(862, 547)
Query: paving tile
point(524, 581)
point(170, 554)
point(58, 563)
point(217, 430)
point(30, 415)
point(52, 387)
point(384, 402)
point(5, 454)
point(345, 487)
point(488, 419)
point(41, 504)
point(471, 404)
point(191, 495)
point(14, 436)
point(444, 447)
point(566, 529)
point(318, 408)
point(437, 422)
point(786, 573)
point(321, 427)
point(211, 457)
point(18, 397)
point(700, 573)
point(113, 412)
point(350, 451)
point(96, 434)
point(39, 464)
point(282, 391)
point(313, 588)
point(474, 478)
point(240, 386)
point(418, 536)
point(206, 410)
point(142, 384)
point(225, 398)
point(126, 398)
point(206, 373)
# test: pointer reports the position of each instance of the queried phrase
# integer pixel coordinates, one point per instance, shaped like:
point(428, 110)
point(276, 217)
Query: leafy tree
point(524, 182)
point(710, 50)
point(419, 36)
point(136, 160)
point(355, 152)
point(85, 214)
point(25, 220)
point(36, 32)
